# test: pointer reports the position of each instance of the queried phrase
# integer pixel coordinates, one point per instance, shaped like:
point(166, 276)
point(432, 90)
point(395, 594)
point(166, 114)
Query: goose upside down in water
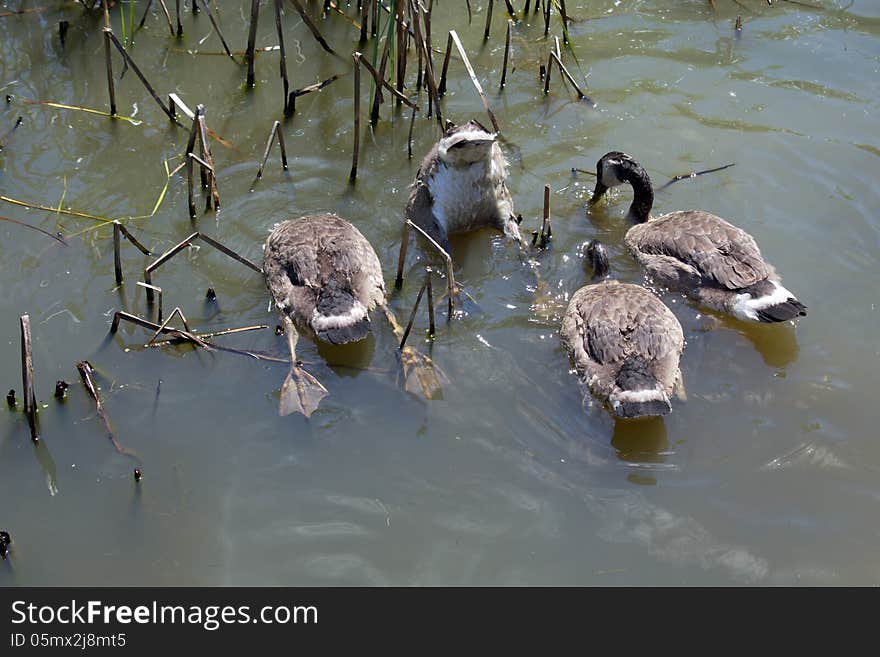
point(712, 261)
point(325, 278)
point(624, 342)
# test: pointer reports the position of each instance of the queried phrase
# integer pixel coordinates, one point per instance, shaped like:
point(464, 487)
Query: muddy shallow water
point(769, 473)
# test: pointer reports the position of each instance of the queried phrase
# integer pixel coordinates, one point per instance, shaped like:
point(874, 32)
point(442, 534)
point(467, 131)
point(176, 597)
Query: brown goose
point(709, 259)
point(461, 186)
point(624, 342)
point(324, 275)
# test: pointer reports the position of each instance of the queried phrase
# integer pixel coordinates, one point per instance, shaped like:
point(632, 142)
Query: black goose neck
point(643, 192)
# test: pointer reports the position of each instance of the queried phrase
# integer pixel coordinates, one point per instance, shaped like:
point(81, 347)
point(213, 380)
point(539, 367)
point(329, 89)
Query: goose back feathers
point(325, 275)
point(625, 344)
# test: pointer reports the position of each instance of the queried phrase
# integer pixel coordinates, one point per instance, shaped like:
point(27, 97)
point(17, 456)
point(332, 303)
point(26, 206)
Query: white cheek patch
point(745, 307)
point(609, 178)
point(324, 322)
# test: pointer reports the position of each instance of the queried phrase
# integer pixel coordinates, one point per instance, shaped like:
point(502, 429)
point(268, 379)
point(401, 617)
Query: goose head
point(616, 168)
point(597, 256)
point(465, 144)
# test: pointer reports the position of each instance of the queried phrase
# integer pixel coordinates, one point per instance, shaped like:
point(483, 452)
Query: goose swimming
point(624, 342)
point(709, 259)
point(461, 186)
point(325, 277)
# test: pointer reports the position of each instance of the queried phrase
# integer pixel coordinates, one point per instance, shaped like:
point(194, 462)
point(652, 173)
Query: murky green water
point(769, 473)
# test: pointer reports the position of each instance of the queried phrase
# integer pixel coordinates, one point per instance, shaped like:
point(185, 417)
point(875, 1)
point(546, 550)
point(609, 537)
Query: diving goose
point(325, 277)
point(624, 342)
point(704, 256)
point(461, 186)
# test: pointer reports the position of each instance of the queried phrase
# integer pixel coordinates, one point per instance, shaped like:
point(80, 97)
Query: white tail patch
point(746, 307)
point(636, 396)
point(326, 322)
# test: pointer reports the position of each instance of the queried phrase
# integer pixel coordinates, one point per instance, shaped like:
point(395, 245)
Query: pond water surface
point(769, 472)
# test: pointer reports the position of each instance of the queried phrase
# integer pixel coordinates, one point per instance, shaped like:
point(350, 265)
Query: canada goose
point(625, 343)
point(324, 275)
point(709, 259)
point(461, 186)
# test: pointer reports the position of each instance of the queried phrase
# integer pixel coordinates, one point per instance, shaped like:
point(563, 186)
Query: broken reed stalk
point(568, 76)
point(137, 72)
point(547, 4)
point(158, 290)
point(177, 248)
point(412, 316)
point(545, 224)
point(470, 70)
point(401, 258)
point(312, 27)
point(215, 25)
point(192, 338)
point(191, 201)
point(252, 40)
point(400, 37)
point(431, 327)
point(110, 88)
point(526, 9)
point(510, 10)
point(488, 21)
point(378, 98)
point(177, 311)
point(276, 130)
point(179, 25)
point(442, 88)
point(450, 277)
point(365, 16)
point(382, 82)
point(118, 231)
point(547, 72)
point(167, 17)
point(296, 93)
point(412, 123)
point(429, 67)
point(85, 370)
point(213, 334)
point(27, 377)
point(352, 176)
point(283, 61)
point(205, 146)
point(693, 174)
point(506, 53)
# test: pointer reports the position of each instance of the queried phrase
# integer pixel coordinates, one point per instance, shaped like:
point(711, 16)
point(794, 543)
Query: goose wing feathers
point(718, 250)
point(302, 255)
point(610, 321)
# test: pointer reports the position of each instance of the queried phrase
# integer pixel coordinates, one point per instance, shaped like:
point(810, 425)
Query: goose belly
point(467, 198)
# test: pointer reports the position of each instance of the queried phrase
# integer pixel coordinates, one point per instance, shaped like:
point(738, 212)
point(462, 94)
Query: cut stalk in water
point(229, 252)
point(162, 259)
point(547, 4)
point(382, 82)
point(252, 39)
point(282, 62)
point(109, 63)
point(450, 277)
point(296, 93)
point(140, 75)
point(401, 258)
point(352, 176)
point(379, 77)
point(431, 328)
point(488, 21)
point(365, 19)
point(158, 291)
point(276, 130)
point(412, 315)
point(510, 10)
point(206, 155)
point(441, 90)
point(118, 232)
point(312, 27)
point(215, 26)
point(506, 54)
point(179, 313)
point(547, 72)
point(174, 103)
point(476, 83)
point(85, 370)
point(179, 25)
point(412, 123)
point(568, 76)
point(545, 224)
point(27, 377)
point(429, 67)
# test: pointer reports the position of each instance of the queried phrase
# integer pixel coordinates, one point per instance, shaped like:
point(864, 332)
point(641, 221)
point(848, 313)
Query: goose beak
point(598, 192)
